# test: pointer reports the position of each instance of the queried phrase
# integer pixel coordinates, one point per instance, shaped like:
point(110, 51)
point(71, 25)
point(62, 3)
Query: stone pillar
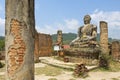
point(59, 37)
point(104, 37)
point(116, 50)
point(19, 39)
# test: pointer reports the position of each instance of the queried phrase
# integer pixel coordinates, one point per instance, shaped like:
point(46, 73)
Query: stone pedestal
point(104, 37)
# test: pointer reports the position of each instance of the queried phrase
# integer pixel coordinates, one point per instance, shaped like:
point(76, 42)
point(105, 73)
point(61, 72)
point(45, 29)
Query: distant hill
point(68, 37)
point(2, 37)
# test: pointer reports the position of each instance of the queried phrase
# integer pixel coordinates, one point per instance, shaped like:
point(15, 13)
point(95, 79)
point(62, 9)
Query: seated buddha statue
point(86, 34)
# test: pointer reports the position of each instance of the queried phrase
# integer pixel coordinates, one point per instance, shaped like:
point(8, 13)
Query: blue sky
point(67, 15)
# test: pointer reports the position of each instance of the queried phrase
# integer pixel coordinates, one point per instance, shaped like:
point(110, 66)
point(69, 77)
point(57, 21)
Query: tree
point(19, 39)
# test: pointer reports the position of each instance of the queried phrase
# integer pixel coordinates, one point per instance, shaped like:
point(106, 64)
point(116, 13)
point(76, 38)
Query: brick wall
point(43, 44)
point(116, 50)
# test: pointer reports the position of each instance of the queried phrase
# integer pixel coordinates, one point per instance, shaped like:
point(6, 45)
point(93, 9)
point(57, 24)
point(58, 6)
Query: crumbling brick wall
point(36, 49)
point(116, 50)
point(43, 45)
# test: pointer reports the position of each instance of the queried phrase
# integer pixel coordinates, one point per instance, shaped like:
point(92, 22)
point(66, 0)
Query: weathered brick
point(116, 50)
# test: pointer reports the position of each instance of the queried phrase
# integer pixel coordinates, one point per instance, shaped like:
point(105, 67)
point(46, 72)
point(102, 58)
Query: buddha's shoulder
point(93, 26)
point(81, 27)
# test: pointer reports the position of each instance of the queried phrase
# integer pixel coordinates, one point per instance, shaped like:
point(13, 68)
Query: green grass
point(48, 71)
point(115, 79)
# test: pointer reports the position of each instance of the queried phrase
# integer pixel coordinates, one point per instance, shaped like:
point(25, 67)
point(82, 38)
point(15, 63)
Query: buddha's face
point(87, 19)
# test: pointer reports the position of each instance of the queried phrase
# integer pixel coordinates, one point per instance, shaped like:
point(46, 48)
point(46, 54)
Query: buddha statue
point(86, 34)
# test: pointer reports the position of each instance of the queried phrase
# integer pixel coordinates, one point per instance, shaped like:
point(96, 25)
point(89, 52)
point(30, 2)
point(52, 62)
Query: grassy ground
point(48, 71)
point(88, 62)
point(2, 69)
point(113, 67)
point(55, 71)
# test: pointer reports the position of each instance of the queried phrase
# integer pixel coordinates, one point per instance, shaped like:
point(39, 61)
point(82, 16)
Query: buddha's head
point(87, 19)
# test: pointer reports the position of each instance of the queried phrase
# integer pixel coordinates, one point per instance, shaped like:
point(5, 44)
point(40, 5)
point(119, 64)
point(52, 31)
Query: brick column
point(104, 37)
point(59, 37)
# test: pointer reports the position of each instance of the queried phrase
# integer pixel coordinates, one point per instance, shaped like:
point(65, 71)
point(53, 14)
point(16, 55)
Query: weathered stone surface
point(104, 36)
point(89, 53)
point(19, 41)
point(116, 50)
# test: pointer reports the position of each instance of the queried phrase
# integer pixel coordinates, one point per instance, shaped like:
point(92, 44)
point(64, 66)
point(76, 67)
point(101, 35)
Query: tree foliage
point(2, 43)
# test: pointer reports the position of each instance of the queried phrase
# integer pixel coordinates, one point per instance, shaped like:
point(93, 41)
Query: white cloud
point(2, 27)
point(111, 17)
point(72, 24)
point(67, 26)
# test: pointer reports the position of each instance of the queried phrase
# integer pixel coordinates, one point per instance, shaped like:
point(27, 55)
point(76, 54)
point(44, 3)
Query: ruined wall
point(104, 36)
point(43, 45)
point(36, 50)
point(116, 50)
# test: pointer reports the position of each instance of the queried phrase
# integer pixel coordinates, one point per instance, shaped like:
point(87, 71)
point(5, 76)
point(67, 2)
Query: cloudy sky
point(67, 15)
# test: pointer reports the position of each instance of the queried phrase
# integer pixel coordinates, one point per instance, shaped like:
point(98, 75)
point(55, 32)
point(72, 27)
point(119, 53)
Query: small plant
point(1, 65)
point(104, 61)
point(37, 61)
